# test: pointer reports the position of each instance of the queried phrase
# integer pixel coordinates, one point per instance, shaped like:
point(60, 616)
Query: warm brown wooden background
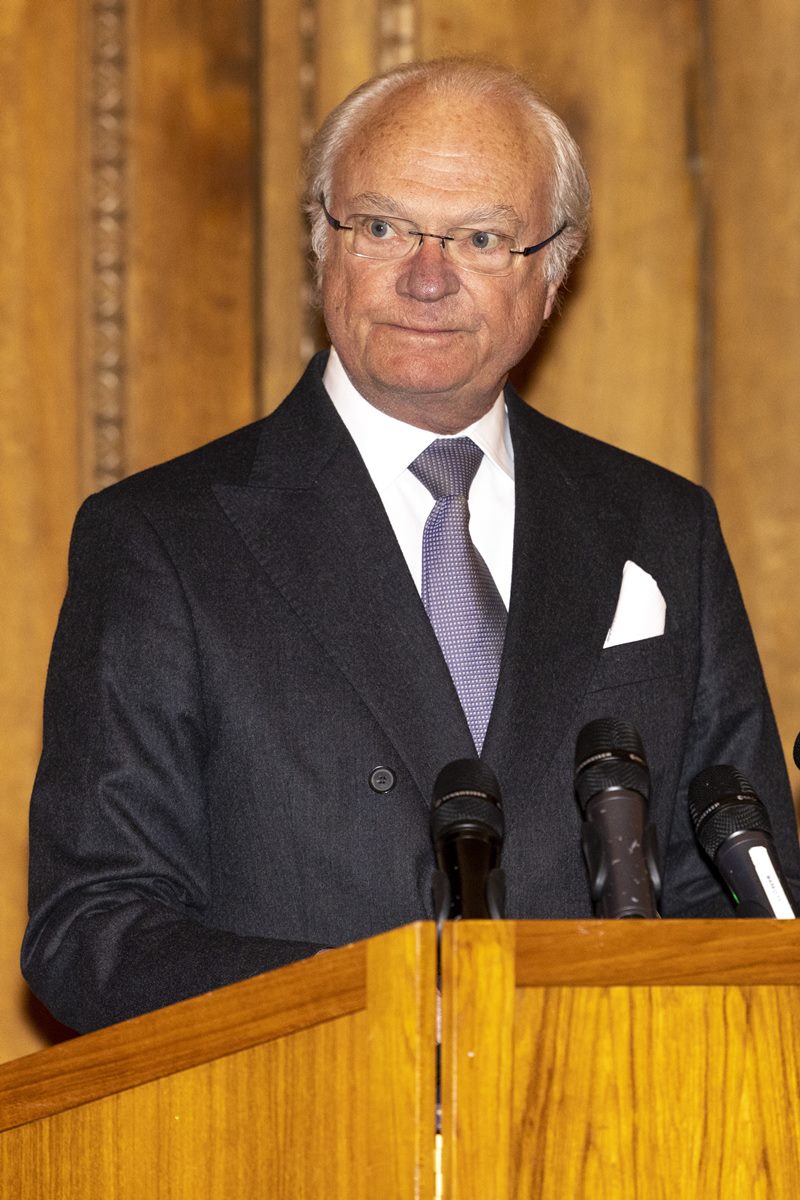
point(153, 291)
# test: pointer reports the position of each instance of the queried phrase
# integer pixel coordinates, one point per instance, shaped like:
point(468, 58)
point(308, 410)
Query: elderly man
point(270, 647)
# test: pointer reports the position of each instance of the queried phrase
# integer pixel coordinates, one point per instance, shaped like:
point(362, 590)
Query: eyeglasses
point(388, 238)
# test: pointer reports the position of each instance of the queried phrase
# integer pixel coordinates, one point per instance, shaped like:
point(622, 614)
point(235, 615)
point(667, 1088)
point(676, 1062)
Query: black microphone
point(612, 783)
point(733, 829)
point(467, 829)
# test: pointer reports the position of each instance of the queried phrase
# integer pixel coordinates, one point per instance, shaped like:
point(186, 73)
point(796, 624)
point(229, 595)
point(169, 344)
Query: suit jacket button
point(382, 779)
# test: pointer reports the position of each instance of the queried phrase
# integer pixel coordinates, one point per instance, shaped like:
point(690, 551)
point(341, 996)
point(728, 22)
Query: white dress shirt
point(387, 446)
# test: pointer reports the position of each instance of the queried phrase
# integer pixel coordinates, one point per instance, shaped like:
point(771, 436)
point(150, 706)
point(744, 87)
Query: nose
point(428, 274)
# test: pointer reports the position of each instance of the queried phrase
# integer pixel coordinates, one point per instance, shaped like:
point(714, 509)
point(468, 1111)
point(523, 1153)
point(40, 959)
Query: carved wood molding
point(106, 255)
point(396, 32)
point(311, 334)
point(106, 237)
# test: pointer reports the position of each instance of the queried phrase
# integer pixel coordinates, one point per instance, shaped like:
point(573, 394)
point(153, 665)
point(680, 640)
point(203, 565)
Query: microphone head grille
point(609, 754)
point(608, 734)
point(466, 793)
point(466, 775)
point(467, 812)
point(721, 803)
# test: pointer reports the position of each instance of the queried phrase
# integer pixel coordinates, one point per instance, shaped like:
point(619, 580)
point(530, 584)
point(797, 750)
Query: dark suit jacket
point(241, 644)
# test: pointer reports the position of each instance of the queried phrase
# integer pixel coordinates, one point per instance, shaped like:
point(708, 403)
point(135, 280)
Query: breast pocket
point(656, 658)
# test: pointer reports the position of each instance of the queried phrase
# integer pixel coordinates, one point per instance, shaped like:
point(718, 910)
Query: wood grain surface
point(194, 1031)
point(316, 1080)
point(754, 317)
point(193, 200)
point(629, 1059)
point(656, 1092)
point(614, 1060)
point(39, 422)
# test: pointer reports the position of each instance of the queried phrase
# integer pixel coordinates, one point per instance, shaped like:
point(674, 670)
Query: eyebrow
point(485, 214)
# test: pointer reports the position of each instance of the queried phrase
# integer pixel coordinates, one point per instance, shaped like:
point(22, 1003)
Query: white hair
point(459, 77)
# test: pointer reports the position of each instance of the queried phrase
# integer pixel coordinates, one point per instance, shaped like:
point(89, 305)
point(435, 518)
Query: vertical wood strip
point(193, 198)
point(401, 991)
point(478, 974)
point(754, 161)
point(346, 49)
point(39, 426)
point(288, 41)
point(396, 32)
point(105, 101)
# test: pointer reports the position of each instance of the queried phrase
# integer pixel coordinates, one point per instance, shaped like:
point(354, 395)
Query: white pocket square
point(641, 609)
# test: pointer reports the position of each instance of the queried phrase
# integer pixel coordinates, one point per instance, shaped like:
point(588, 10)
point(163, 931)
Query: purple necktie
point(460, 597)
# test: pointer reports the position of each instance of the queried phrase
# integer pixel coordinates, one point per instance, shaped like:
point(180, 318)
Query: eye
point(482, 239)
point(379, 228)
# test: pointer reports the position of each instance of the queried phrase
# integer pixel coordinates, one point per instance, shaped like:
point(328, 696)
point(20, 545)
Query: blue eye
point(379, 229)
point(481, 239)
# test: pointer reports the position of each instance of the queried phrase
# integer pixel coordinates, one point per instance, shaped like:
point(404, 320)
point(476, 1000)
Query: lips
point(422, 329)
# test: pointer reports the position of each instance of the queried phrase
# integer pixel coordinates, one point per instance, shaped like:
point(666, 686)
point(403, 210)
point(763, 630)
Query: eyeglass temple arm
point(332, 220)
point(541, 245)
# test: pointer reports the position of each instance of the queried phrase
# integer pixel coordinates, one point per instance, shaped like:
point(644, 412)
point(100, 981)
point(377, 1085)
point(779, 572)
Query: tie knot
point(447, 467)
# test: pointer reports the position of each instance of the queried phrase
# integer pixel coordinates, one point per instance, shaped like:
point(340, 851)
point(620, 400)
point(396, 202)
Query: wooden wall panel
point(754, 162)
point(193, 199)
point(620, 361)
point(154, 287)
point(346, 49)
point(39, 52)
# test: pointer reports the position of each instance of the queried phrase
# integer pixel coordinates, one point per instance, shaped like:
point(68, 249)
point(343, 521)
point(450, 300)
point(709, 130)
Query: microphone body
point(613, 785)
point(467, 830)
point(733, 829)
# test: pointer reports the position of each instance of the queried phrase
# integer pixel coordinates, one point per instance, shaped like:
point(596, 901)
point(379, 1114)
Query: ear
point(550, 299)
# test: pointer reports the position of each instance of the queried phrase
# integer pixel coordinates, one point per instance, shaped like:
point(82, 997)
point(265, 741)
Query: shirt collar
point(388, 445)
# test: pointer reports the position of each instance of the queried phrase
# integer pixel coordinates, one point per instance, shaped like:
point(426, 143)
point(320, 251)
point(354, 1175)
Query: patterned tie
point(460, 597)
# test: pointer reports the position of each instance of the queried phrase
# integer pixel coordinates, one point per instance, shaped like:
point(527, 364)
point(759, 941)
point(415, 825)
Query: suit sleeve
point(119, 837)
point(732, 722)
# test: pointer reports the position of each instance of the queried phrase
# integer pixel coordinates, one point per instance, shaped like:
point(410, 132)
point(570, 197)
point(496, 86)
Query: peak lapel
point(568, 558)
point(312, 517)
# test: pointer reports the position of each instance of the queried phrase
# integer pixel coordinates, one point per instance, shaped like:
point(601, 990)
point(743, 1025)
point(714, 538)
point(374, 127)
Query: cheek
point(338, 309)
point(334, 288)
point(528, 310)
point(515, 323)
point(348, 294)
point(512, 317)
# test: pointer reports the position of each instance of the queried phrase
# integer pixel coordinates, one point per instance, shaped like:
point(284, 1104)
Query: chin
point(418, 374)
point(420, 383)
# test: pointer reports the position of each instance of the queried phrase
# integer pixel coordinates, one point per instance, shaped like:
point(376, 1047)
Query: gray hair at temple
point(571, 195)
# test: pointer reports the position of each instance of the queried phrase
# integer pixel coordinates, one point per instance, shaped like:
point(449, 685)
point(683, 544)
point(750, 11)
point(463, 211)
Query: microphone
point(733, 829)
point(467, 829)
point(612, 783)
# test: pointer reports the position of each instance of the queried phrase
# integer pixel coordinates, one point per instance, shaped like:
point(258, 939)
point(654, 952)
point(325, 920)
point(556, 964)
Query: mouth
point(424, 330)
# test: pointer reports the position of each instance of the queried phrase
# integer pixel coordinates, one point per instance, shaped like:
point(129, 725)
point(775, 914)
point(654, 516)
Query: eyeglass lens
point(390, 238)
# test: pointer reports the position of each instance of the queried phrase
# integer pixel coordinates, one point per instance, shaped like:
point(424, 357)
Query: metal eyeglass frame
point(439, 237)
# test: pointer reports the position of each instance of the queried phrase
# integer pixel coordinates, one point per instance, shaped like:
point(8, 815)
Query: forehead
point(445, 152)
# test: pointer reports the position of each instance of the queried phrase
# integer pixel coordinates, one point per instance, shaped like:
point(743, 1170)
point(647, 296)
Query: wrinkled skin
point(422, 340)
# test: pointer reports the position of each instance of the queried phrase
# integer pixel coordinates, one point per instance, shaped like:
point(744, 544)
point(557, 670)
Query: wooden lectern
point(578, 1059)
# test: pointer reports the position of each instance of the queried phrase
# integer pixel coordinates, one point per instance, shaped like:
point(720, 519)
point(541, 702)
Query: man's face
point(422, 339)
